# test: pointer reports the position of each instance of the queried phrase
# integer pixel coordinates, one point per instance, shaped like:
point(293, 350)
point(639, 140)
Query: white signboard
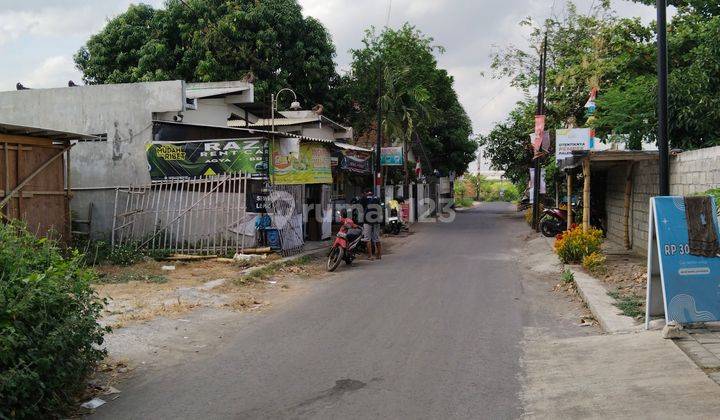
point(571, 139)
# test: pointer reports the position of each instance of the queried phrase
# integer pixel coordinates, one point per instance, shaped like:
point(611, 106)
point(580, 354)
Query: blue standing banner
point(684, 288)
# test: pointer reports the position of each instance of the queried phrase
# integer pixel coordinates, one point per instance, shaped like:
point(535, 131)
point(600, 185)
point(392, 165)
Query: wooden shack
point(35, 177)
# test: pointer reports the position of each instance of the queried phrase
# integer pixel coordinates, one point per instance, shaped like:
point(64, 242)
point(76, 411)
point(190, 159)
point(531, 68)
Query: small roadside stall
point(35, 177)
point(603, 173)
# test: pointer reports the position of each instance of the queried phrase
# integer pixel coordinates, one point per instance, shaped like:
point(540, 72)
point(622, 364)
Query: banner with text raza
point(204, 158)
point(310, 166)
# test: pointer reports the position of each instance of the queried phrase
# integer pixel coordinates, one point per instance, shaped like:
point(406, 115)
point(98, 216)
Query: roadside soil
point(144, 291)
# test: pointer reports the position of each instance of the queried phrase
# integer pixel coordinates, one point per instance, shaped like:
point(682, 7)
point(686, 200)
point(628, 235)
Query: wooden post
point(68, 231)
point(628, 197)
point(7, 176)
point(586, 194)
point(570, 215)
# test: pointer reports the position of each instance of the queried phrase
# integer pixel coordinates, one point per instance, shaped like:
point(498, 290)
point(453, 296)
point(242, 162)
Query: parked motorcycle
point(394, 223)
point(345, 246)
point(554, 221)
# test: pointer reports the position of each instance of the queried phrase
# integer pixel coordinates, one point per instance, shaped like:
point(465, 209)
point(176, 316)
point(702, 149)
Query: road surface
point(433, 330)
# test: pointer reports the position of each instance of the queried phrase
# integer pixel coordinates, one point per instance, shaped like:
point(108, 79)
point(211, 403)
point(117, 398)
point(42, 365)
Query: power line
point(387, 19)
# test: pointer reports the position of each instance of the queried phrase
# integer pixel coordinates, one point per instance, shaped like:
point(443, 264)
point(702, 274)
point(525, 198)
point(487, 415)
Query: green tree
point(419, 100)
point(267, 41)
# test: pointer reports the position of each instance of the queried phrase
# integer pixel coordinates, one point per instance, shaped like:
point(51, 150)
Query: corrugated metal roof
point(279, 122)
point(22, 130)
point(254, 131)
point(347, 146)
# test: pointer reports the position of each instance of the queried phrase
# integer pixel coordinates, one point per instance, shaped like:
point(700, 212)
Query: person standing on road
point(371, 217)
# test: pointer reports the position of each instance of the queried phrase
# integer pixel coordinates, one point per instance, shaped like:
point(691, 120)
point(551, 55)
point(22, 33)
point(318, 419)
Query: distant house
point(121, 119)
point(304, 123)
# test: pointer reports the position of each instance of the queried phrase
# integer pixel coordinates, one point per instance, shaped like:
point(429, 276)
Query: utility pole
point(378, 145)
point(537, 158)
point(663, 98)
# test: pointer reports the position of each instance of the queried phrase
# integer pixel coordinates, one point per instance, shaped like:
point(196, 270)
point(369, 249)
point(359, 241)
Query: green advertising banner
point(306, 163)
point(205, 158)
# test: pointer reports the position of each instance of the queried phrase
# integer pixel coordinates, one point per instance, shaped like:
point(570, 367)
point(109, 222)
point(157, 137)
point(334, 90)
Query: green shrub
point(595, 263)
point(567, 276)
point(125, 255)
point(573, 245)
point(490, 191)
point(49, 335)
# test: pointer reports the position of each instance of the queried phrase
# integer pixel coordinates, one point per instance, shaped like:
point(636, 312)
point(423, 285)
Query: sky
point(39, 37)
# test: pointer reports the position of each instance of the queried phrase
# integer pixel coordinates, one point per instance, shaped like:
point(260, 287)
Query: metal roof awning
point(601, 159)
point(170, 131)
point(347, 146)
point(22, 130)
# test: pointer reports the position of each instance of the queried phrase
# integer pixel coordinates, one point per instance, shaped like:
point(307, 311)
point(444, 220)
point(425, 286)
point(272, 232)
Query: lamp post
point(663, 147)
point(295, 105)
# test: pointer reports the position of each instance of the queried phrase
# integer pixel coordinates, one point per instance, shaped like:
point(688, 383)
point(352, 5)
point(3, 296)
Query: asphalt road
point(432, 330)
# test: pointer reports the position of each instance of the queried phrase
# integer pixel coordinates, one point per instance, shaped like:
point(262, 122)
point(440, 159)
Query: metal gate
point(197, 215)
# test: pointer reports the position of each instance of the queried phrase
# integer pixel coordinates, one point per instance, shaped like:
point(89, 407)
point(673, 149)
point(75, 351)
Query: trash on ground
point(93, 404)
point(248, 257)
point(168, 267)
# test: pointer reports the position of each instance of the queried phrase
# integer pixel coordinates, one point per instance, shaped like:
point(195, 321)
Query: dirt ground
point(145, 291)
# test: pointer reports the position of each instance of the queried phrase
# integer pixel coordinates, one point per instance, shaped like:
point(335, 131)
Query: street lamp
point(663, 147)
point(295, 105)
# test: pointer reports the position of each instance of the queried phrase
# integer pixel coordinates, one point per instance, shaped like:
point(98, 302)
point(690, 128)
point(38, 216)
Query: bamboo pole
point(628, 197)
point(586, 194)
point(569, 200)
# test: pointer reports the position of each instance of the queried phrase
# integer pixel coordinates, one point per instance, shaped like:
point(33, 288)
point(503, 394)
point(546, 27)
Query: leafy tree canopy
point(211, 40)
point(419, 99)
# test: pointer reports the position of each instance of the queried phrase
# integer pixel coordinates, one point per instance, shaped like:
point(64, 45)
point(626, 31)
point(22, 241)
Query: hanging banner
point(311, 165)
point(539, 132)
point(568, 140)
point(391, 156)
point(204, 158)
point(354, 161)
point(682, 286)
point(531, 184)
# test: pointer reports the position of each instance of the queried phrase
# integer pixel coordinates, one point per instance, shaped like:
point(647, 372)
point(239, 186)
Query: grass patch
point(270, 269)
point(567, 276)
point(132, 275)
point(463, 202)
point(630, 305)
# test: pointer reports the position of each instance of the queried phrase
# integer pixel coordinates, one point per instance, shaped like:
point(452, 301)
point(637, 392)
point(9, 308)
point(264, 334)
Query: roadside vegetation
point(475, 187)
point(630, 305)
point(574, 245)
point(49, 334)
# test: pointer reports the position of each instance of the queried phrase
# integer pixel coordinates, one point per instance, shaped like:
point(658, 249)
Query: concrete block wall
point(690, 173)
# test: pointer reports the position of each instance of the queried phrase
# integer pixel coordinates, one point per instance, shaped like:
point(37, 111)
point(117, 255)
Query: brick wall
point(690, 173)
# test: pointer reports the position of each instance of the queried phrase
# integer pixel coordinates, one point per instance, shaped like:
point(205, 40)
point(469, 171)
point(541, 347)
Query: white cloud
point(47, 22)
point(53, 72)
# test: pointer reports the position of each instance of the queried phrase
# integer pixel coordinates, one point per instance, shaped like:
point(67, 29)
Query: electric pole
point(378, 145)
point(663, 98)
point(537, 157)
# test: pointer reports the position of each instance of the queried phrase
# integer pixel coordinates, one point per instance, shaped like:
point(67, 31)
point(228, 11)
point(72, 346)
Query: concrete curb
point(596, 297)
point(600, 304)
point(310, 253)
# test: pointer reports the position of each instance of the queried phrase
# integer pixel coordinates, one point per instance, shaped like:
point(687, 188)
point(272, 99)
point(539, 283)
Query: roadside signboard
point(569, 140)
point(683, 287)
point(204, 158)
point(309, 165)
point(391, 156)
